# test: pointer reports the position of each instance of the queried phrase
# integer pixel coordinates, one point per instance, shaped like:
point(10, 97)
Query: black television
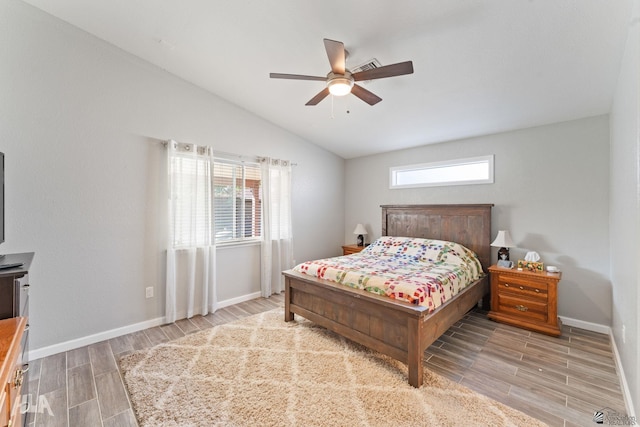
point(8, 261)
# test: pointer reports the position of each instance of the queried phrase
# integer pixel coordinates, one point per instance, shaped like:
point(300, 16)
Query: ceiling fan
point(341, 82)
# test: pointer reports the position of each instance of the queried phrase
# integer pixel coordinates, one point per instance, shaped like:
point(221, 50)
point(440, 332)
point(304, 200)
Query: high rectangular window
point(476, 170)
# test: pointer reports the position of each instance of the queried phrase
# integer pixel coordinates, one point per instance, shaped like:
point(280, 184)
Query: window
point(237, 201)
point(212, 198)
point(476, 170)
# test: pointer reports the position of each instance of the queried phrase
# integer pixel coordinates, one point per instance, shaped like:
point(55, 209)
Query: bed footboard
point(394, 328)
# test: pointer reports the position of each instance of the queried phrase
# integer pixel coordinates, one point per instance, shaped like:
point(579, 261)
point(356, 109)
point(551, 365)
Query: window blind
point(238, 201)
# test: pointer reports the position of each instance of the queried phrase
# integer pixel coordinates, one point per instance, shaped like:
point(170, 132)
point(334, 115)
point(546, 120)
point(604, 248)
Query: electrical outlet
point(149, 292)
point(624, 334)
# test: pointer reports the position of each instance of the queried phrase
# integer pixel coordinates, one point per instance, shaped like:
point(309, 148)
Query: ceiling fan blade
point(319, 97)
point(392, 70)
point(368, 97)
point(296, 77)
point(335, 52)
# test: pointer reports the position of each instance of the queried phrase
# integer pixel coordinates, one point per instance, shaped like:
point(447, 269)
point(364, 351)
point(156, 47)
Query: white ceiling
point(481, 66)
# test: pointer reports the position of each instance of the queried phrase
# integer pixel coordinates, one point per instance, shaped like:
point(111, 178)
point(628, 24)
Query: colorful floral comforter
point(421, 271)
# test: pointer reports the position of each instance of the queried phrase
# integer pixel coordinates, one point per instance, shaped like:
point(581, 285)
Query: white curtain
point(277, 243)
point(191, 252)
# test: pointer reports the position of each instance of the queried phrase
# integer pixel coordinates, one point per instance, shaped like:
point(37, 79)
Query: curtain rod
point(240, 157)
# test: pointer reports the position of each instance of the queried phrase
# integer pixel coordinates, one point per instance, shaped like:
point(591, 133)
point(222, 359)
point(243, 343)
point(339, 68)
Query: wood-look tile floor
point(560, 381)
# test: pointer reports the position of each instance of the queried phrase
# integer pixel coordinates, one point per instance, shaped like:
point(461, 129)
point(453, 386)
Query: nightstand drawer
point(4, 400)
point(512, 285)
point(522, 307)
point(523, 281)
point(351, 249)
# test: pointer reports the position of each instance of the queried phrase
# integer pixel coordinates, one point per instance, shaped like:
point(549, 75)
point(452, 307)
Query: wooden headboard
point(469, 225)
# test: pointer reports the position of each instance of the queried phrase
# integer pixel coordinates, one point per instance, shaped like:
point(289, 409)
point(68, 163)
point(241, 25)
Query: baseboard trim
point(92, 339)
point(238, 300)
point(626, 393)
point(113, 333)
point(589, 326)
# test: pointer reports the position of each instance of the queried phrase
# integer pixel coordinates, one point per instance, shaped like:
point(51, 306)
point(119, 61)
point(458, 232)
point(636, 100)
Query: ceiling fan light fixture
point(340, 86)
point(340, 80)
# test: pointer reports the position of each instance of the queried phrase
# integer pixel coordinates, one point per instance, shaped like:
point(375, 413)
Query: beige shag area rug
point(262, 371)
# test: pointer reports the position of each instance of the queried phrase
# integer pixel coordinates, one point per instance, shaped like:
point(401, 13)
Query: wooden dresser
point(14, 302)
point(525, 299)
point(11, 370)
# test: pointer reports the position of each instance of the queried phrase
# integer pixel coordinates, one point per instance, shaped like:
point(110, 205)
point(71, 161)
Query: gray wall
point(625, 209)
point(551, 192)
point(80, 125)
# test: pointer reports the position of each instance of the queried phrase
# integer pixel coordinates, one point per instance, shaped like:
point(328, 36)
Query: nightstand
point(351, 249)
point(525, 299)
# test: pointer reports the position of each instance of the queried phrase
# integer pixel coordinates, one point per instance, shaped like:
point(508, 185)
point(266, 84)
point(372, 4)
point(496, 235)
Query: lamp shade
point(503, 240)
point(360, 229)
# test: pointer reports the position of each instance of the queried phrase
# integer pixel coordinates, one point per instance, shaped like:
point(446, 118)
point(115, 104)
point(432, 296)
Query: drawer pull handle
point(26, 328)
point(521, 288)
point(522, 308)
point(538, 290)
point(506, 285)
point(17, 382)
point(26, 286)
point(25, 368)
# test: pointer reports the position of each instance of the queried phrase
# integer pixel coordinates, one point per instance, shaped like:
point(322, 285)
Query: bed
point(396, 328)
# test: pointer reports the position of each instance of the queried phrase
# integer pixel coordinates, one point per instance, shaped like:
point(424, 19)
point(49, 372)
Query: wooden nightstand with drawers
point(525, 299)
point(351, 249)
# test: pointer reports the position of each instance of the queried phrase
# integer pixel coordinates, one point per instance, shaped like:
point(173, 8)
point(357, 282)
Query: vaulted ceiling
point(481, 66)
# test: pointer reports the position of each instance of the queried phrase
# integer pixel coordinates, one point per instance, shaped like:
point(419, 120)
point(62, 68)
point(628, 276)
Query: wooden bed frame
point(398, 329)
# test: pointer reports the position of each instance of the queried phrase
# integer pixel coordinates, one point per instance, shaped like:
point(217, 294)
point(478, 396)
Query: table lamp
point(360, 231)
point(504, 242)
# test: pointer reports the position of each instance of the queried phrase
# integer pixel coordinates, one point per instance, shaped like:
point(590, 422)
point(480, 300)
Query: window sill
point(228, 245)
